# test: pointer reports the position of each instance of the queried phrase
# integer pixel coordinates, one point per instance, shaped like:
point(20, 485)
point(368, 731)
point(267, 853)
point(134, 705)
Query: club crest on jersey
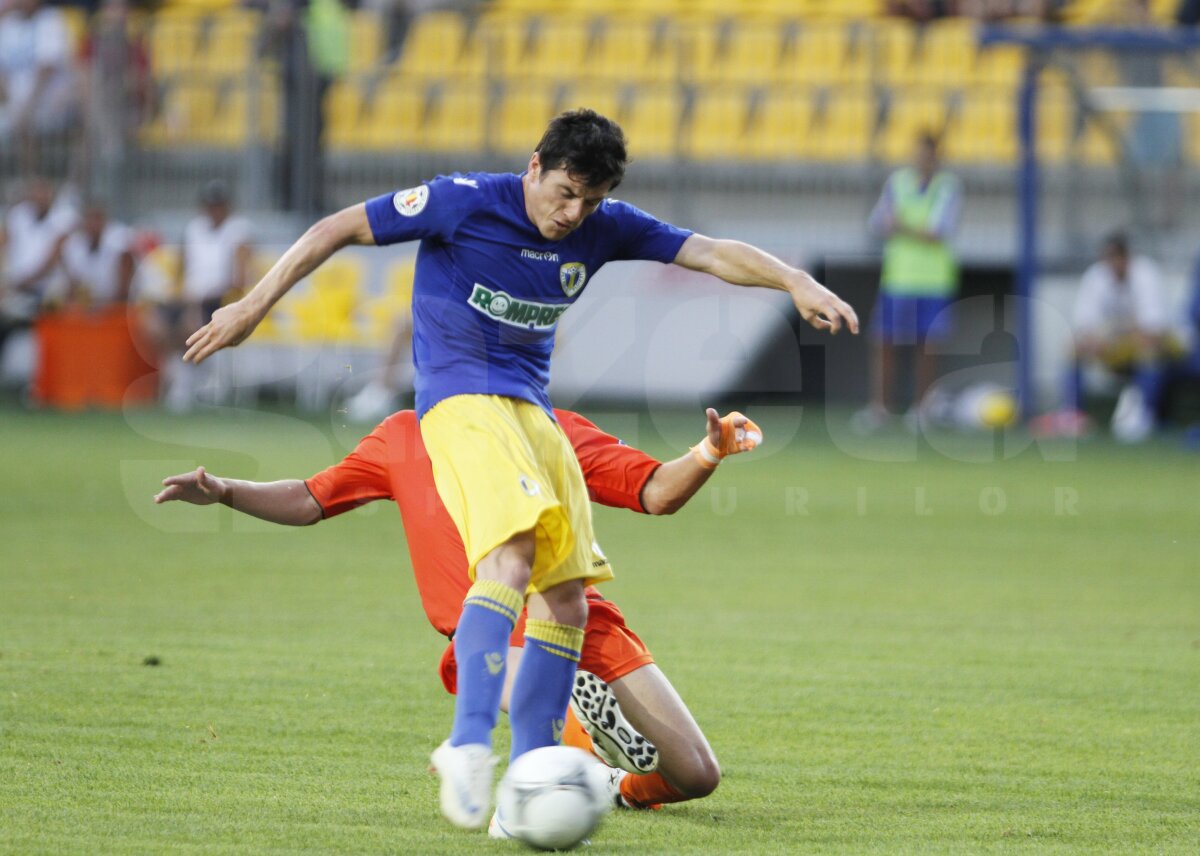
point(572, 275)
point(411, 202)
point(518, 313)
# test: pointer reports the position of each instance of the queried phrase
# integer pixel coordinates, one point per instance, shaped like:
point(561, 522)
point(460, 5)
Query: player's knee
point(700, 778)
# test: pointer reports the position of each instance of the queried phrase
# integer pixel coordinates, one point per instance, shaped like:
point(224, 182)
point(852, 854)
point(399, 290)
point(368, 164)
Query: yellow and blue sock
point(481, 649)
point(538, 708)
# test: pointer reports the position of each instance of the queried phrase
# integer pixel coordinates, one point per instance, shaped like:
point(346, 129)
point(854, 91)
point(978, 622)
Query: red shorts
point(610, 649)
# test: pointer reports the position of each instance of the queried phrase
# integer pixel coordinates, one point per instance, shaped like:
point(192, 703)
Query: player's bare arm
point(230, 325)
point(286, 502)
point(676, 482)
point(741, 264)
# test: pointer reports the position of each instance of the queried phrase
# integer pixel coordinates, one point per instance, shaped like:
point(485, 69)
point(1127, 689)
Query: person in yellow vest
point(916, 215)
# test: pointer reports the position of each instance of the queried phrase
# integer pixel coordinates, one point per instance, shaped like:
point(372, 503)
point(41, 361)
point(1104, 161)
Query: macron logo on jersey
point(467, 182)
point(517, 313)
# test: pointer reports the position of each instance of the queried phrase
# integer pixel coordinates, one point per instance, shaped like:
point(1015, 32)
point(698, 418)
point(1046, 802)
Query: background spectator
point(119, 93)
point(213, 268)
point(38, 88)
point(32, 237)
point(1122, 325)
point(916, 215)
point(97, 259)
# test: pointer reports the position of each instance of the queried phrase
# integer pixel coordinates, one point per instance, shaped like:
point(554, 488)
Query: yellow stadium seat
point(751, 55)
point(718, 130)
point(456, 120)
point(844, 129)
point(174, 41)
point(366, 40)
point(325, 310)
point(1101, 142)
point(521, 117)
point(947, 53)
point(230, 42)
point(911, 113)
point(433, 46)
point(380, 315)
point(1055, 123)
point(999, 65)
point(638, 49)
point(343, 110)
point(393, 118)
point(604, 98)
point(652, 123)
point(821, 55)
point(560, 49)
point(984, 130)
point(893, 46)
point(783, 129)
point(497, 47)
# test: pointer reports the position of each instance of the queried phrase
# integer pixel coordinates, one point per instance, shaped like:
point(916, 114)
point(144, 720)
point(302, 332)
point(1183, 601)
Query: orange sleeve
point(615, 473)
point(360, 477)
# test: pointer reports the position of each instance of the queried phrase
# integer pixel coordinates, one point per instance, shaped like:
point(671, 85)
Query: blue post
point(1027, 234)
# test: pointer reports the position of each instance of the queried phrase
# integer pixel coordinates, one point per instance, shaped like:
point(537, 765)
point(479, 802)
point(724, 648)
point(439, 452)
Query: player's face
point(557, 203)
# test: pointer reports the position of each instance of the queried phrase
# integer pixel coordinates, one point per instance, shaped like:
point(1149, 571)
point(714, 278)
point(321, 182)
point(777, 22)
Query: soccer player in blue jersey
point(502, 256)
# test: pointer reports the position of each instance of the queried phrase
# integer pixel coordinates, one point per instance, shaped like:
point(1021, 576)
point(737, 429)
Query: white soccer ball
point(552, 798)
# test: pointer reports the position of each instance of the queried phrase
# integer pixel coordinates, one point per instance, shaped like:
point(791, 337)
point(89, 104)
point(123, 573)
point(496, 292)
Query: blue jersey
point(489, 289)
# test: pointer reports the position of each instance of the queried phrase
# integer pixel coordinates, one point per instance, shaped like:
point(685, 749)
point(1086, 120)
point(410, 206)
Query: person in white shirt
point(1122, 325)
point(39, 91)
point(97, 259)
point(213, 268)
point(32, 237)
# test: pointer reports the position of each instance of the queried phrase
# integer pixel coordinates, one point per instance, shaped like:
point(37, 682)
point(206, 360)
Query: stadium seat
point(718, 129)
point(366, 40)
point(324, 311)
point(497, 47)
point(821, 55)
point(751, 53)
point(344, 115)
point(652, 123)
point(560, 49)
point(844, 128)
point(782, 131)
point(604, 98)
point(392, 116)
point(379, 315)
point(456, 118)
point(230, 41)
point(910, 113)
point(636, 49)
point(174, 41)
point(946, 55)
point(524, 110)
point(893, 45)
point(998, 65)
point(1055, 123)
point(433, 46)
point(984, 129)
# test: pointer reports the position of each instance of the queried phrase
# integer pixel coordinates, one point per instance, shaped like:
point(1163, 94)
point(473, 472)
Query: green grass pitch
point(929, 654)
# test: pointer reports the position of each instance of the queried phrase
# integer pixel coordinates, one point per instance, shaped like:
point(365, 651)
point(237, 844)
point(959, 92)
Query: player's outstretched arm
point(742, 264)
point(286, 502)
point(231, 324)
point(676, 482)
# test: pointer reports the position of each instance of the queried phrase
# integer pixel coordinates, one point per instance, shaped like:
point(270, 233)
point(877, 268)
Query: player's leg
point(687, 767)
point(465, 761)
point(542, 686)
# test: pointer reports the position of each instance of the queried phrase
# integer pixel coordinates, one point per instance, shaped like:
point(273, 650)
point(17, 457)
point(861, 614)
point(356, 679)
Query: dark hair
point(215, 192)
point(587, 145)
point(931, 138)
point(1117, 243)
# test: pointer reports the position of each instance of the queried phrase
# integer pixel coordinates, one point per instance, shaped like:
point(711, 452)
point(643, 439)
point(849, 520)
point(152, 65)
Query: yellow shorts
point(502, 466)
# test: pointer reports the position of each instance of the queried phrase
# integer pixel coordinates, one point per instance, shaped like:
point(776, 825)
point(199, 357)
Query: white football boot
point(617, 743)
point(466, 790)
